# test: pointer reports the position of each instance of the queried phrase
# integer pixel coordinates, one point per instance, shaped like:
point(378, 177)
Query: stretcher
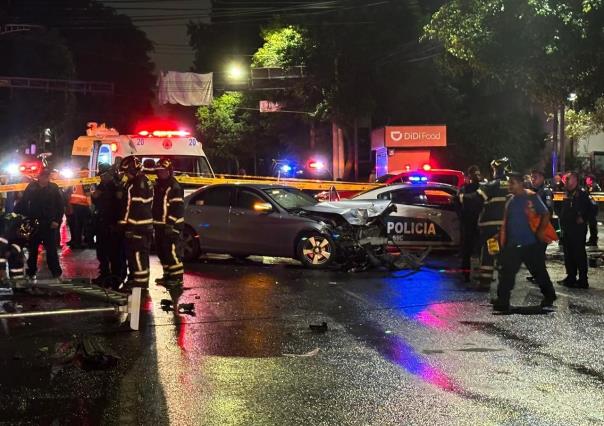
point(127, 306)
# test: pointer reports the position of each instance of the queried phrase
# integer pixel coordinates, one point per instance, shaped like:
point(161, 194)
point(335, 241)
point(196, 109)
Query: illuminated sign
point(415, 136)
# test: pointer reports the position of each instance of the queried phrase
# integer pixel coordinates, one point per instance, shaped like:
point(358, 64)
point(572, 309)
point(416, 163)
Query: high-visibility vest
point(79, 197)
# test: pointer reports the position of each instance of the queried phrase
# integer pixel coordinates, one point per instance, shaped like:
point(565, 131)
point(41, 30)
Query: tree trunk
point(355, 147)
point(313, 135)
point(561, 135)
point(555, 144)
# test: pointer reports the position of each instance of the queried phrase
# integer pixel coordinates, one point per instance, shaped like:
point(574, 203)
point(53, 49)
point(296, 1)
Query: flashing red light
point(22, 168)
point(113, 147)
point(34, 168)
point(317, 165)
point(427, 167)
point(407, 167)
point(165, 133)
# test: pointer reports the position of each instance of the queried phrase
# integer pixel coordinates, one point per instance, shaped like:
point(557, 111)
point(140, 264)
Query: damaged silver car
point(266, 220)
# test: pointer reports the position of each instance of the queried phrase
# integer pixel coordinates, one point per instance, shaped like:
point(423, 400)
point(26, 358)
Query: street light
point(572, 97)
point(235, 72)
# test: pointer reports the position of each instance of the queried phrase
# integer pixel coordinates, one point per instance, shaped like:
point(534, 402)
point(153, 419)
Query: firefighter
point(42, 201)
point(575, 215)
point(168, 220)
point(546, 195)
point(15, 230)
point(109, 239)
point(490, 200)
point(136, 220)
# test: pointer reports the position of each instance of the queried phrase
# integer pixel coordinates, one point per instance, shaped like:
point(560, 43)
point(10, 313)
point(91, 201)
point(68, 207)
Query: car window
point(215, 197)
point(429, 197)
point(448, 179)
point(246, 199)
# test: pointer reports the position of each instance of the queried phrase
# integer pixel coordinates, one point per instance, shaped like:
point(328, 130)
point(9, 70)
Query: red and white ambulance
point(106, 145)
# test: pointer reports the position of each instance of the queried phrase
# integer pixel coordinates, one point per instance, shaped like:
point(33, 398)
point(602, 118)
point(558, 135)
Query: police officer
point(592, 186)
point(490, 201)
point(168, 220)
point(469, 220)
point(576, 210)
point(137, 220)
point(42, 201)
point(544, 191)
point(109, 241)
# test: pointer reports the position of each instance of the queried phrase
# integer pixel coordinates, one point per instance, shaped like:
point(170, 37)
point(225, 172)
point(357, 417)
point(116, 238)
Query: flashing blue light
point(286, 168)
point(417, 179)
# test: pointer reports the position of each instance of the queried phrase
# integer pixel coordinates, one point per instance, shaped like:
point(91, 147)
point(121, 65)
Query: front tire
point(316, 251)
point(191, 249)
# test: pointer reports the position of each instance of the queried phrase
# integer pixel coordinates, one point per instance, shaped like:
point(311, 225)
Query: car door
point(208, 213)
point(253, 231)
point(425, 217)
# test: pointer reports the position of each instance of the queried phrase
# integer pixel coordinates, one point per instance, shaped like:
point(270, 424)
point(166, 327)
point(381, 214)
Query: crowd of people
point(120, 217)
point(510, 220)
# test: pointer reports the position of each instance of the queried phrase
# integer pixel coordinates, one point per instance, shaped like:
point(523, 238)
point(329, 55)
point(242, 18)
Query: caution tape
point(597, 196)
point(311, 185)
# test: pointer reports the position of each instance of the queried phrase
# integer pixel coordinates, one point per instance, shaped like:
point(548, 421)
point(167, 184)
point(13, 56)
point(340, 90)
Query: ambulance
point(106, 145)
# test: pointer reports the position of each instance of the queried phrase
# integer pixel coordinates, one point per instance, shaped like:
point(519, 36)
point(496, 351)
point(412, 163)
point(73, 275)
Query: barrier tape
point(307, 184)
point(312, 185)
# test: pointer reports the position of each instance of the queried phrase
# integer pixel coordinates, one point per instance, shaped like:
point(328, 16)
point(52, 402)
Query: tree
point(26, 113)
point(104, 46)
point(545, 48)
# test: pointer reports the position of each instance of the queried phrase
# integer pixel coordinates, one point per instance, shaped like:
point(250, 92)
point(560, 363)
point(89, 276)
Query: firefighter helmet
point(131, 165)
point(500, 167)
point(165, 163)
point(104, 168)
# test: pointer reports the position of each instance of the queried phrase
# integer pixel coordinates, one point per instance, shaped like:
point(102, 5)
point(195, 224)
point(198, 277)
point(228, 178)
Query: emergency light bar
point(417, 179)
point(165, 133)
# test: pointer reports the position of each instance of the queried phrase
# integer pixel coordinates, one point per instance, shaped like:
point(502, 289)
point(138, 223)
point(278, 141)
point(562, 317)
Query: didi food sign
point(415, 136)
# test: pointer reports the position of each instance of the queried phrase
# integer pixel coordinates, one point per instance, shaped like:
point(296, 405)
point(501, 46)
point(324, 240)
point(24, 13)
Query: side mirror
point(263, 207)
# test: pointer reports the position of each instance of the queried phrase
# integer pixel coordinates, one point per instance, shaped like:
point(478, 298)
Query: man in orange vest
point(520, 244)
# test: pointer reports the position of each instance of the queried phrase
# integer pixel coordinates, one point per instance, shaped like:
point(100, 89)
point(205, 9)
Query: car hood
point(355, 212)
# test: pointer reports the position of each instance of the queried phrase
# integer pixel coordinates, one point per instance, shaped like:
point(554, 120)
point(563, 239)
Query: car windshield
point(183, 165)
point(290, 198)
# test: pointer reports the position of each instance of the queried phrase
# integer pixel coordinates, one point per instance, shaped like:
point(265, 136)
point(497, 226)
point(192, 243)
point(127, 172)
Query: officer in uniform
point(575, 215)
point(592, 186)
point(469, 221)
point(43, 201)
point(168, 220)
point(490, 200)
point(109, 241)
point(136, 219)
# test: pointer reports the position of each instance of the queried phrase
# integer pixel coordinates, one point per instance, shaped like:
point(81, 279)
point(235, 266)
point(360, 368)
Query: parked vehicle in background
point(447, 176)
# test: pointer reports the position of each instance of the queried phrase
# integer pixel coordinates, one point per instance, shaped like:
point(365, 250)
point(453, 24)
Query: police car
point(427, 213)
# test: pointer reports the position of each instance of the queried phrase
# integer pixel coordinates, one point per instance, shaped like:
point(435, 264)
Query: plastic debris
point(187, 308)
point(318, 328)
point(305, 355)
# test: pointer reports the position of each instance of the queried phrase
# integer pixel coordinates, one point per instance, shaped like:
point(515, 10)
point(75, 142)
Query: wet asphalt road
point(402, 348)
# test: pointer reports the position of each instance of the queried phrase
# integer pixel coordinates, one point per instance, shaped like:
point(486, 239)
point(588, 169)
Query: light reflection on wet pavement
point(403, 348)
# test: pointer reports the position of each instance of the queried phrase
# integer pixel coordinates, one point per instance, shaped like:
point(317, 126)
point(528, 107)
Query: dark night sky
point(169, 36)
